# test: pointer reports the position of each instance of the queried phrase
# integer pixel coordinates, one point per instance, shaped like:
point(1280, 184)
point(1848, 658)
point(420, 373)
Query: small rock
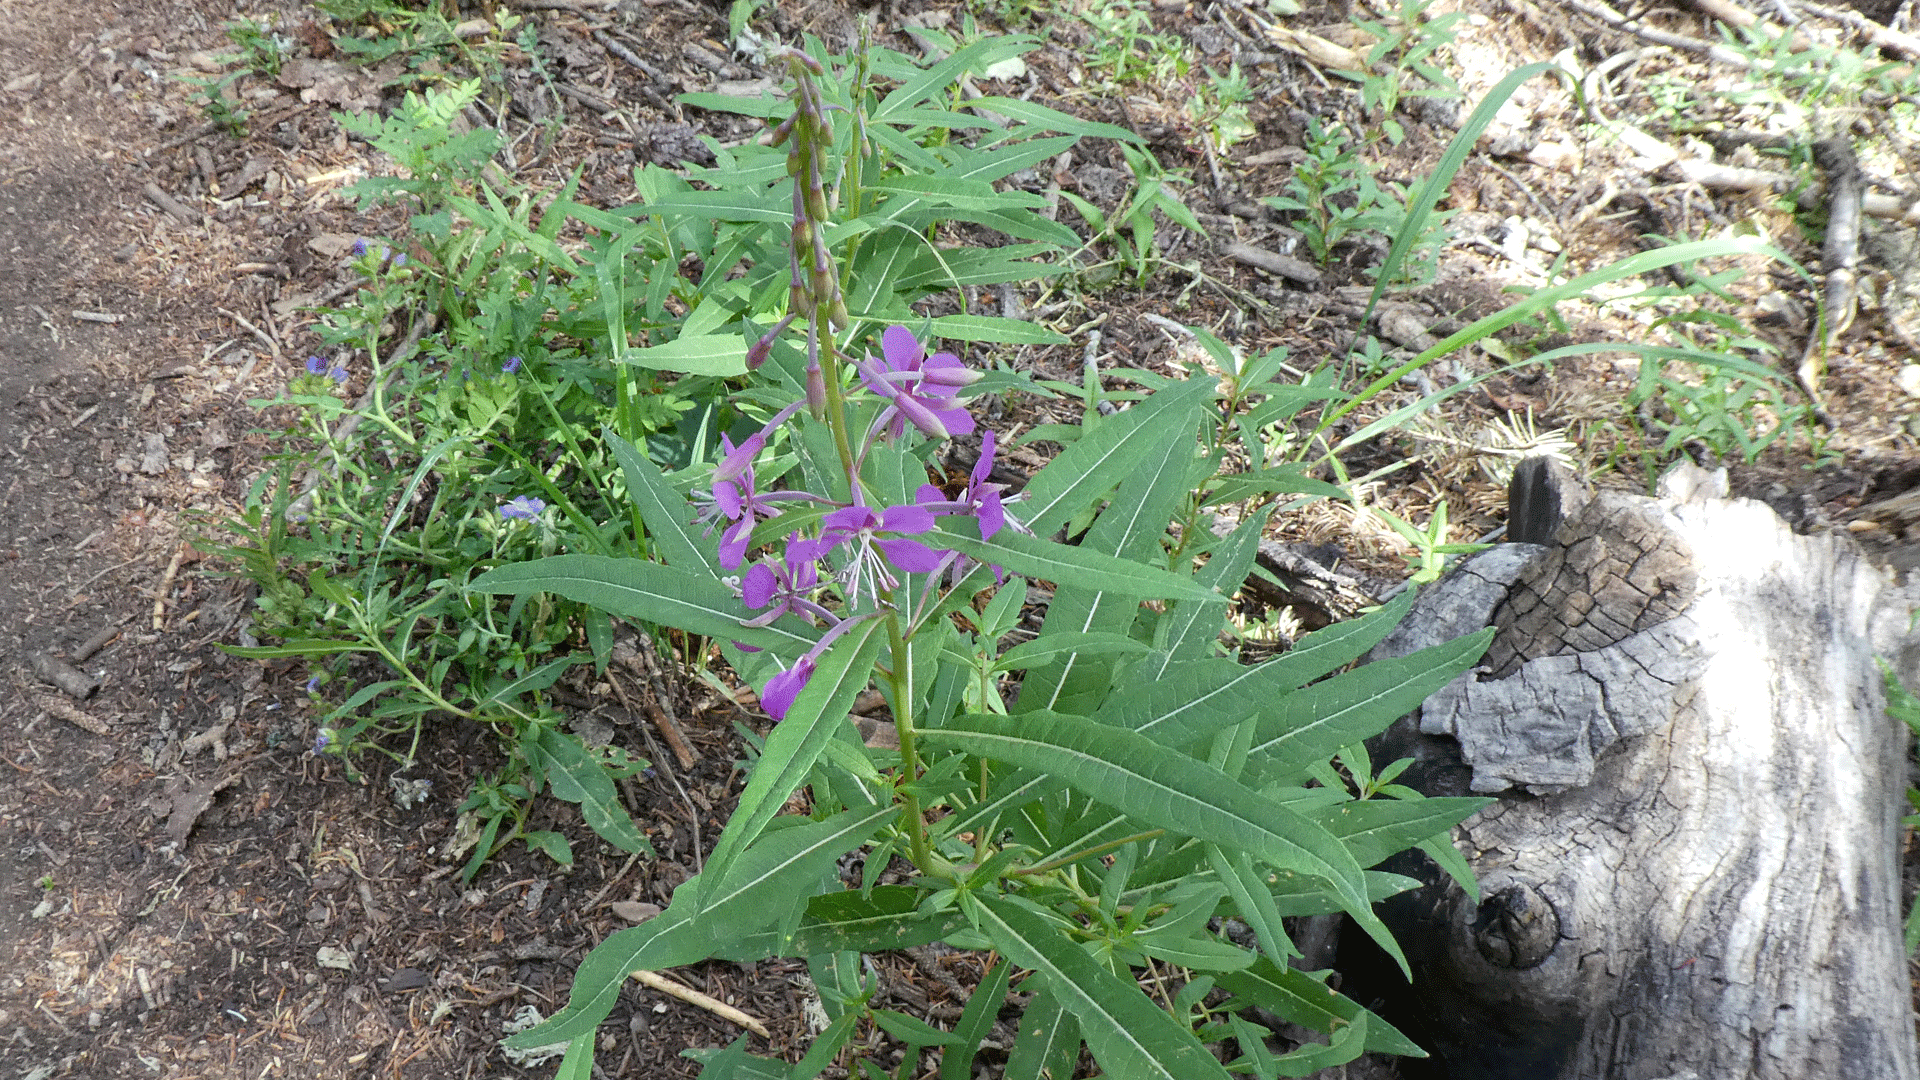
point(1909, 379)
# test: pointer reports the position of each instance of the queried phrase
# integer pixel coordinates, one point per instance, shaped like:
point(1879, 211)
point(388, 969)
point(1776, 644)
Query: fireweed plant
point(1106, 823)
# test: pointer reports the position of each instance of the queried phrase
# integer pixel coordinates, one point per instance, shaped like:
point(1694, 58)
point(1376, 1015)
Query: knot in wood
point(1616, 568)
point(1516, 928)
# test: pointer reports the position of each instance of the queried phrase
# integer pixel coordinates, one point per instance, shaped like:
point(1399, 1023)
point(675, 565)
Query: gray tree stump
point(1693, 867)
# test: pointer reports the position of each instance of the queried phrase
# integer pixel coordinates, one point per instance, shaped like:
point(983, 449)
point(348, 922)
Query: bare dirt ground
point(185, 891)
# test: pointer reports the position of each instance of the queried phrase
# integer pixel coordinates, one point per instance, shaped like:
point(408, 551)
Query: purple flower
point(780, 691)
point(322, 741)
point(360, 247)
point(319, 366)
point(981, 500)
point(777, 697)
point(919, 389)
point(313, 685)
point(735, 460)
point(512, 365)
point(523, 507)
point(787, 584)
point(868, 569)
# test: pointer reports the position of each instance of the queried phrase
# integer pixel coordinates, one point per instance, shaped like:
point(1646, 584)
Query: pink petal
point(984, 467)
point(900, 348)
point(757, 588)
point(906, 519)
point(910, 555)
point(734, 543)
point(924, 418)
point(780, 691)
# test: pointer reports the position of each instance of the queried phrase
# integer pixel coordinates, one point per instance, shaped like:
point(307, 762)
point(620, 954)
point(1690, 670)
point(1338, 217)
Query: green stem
point(1095, 850)
point(901, 678)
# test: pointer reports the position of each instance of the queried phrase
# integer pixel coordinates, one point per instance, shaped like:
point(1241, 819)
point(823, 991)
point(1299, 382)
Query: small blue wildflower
point(322, 741)
point(524, 507)
point(316, 366)
point(313, 685)
point(338, 374)
point(512, 365)
point(360, 247)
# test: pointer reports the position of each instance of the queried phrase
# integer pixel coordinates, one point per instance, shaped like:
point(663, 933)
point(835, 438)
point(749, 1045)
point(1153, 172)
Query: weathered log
point(1694, 863)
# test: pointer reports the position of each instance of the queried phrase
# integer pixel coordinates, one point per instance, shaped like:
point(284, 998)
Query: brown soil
point(186, 891)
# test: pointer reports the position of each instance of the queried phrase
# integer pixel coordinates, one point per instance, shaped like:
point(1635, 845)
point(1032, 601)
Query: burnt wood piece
point(1694, 863)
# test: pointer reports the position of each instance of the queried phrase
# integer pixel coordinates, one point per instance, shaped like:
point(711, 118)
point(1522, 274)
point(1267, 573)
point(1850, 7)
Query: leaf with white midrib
point(1130, 1037)
point(1144, 780)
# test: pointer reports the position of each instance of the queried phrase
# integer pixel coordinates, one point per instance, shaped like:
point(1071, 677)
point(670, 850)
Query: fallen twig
point(694, 997)
point(1838, 256)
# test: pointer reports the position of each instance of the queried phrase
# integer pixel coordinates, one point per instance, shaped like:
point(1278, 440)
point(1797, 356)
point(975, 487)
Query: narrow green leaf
point(1003, 160)
point(1144, 780)
point(760, 887)
point(573, 774)
point(995, 329)
point(1304, 728)
point(1252, 900)
point(1190, 700)
point(1110, 452)
point(1048, 1045)
point(975, 56)
point(976, 1022)
point(1053, 119)
point(910, 1030)
point(1376, 828)
point(1067, 565)
point(1191, 628)
point(740, 206)
point(1131, 1038)
point(666, 513)
point(1046, 647)
point(648, 591)
point(797, 742)
point(706, 354)
point(538, 679)
point(1130, 528)
point(1305, 1000)
point(888, 918)
point(956, 192)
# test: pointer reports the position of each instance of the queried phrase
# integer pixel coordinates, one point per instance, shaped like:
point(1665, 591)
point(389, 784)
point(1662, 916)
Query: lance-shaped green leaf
point(993, 328)
point(976, 1023)
point(573, 774)
point(1067, 565)
point(797, 742)
point(1130, 1037)
point(1191, 627)
point(889, 918)
point(648, 591)
point(1304, 728)
point(1144, 780)
point(1307, 1001)
point(1041, 649)
point(1251, 899)
point(1108, 454)
point(757, 890)
point(1376, 828)
point(666, 513)
point(1190, 700)
point(1048, 1045)
point(538, 679)
point(703, 354)
point(1129, 528)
